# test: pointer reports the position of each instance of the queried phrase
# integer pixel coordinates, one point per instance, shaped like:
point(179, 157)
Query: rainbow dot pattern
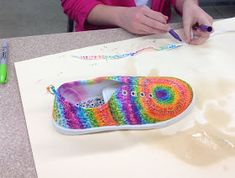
point(138, 100)
point(128, 54)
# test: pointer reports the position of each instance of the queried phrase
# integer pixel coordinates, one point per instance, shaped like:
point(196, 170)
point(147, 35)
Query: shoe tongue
point(108, 92)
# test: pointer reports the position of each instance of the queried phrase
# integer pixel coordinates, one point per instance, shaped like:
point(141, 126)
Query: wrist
point(119, 14)
point(105, 15)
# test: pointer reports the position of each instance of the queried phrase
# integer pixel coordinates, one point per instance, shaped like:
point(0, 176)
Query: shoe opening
point(88, 95)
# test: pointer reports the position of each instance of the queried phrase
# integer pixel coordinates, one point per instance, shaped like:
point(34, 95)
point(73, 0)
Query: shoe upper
point(136, 101)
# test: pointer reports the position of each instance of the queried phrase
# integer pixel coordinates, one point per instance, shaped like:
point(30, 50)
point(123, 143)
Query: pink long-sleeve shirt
point(78, 10)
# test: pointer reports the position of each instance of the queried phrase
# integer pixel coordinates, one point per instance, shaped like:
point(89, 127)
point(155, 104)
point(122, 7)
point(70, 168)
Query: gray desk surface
point(16, 159)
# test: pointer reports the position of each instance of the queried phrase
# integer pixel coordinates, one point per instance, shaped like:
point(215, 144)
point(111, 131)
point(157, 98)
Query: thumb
point(187, 31)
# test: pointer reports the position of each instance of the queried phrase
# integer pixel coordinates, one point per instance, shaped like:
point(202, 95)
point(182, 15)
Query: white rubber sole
point(157, 125)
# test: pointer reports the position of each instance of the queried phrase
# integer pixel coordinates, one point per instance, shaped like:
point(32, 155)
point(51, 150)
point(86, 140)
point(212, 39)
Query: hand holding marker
point(202, 27)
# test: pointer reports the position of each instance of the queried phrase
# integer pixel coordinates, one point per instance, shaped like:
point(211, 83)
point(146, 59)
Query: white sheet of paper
point(179, 150)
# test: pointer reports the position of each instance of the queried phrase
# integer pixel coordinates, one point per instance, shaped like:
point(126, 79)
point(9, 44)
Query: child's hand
point(143, 20)
point(193, 14)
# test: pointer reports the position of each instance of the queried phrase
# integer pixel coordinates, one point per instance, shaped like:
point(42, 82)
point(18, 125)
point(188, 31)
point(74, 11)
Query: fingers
point(187, 30)
point(146, 30)
point(199, 37)
point(198, 41)
point(196, 36)
point(193, 14)
point(143, 20)
point(155, 15)
point(200, 33)
point(208, 20)
point(154, 23)
point(152, 19)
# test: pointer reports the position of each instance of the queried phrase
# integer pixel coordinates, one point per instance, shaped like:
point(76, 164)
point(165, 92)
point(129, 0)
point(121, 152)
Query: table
point(15, 152)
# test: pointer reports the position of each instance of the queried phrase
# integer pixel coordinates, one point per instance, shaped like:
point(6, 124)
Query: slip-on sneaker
point(120, 103)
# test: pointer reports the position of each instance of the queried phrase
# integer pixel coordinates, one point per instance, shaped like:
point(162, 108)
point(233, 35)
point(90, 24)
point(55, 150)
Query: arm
point(105, 15)
point(137, 20)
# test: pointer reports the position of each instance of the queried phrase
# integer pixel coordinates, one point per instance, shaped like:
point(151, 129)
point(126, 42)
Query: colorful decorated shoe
point(117, 103)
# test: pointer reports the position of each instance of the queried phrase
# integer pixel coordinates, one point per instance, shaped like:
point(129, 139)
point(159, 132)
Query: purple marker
point(203, 28)
point(174, 34)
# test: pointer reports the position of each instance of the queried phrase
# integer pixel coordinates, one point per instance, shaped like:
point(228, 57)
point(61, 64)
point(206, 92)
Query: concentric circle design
point(171, 97)
point(164, 95)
